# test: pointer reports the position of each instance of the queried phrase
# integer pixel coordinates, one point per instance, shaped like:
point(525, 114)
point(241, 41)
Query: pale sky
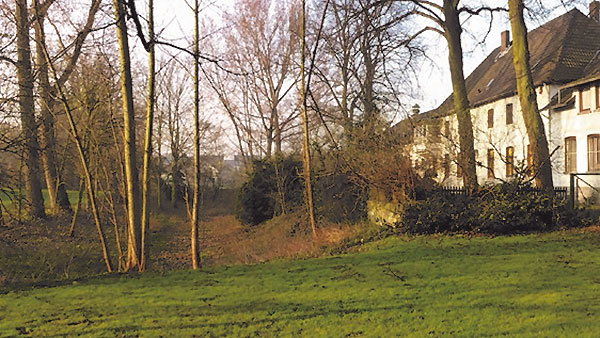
point(434, 80)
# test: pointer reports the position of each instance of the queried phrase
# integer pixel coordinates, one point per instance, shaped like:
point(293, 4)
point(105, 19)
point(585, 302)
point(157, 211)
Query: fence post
point(572, 191)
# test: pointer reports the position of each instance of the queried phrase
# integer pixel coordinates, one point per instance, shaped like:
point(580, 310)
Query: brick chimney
point(595, 10)
point(505, 40)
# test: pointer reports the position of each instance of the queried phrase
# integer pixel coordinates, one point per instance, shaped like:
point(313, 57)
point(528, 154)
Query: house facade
point(565, 62)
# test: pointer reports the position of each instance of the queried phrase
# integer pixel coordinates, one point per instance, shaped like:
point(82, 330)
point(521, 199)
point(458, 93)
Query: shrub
point(439, 213)
point(338, 198)
point(273, 186)
point(509, 208)
point(495, 209)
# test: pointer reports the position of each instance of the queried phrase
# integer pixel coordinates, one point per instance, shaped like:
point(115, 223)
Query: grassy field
point(7, 199)
point(522, 286)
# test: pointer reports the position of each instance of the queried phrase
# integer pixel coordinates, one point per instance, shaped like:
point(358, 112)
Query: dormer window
point(585, 100)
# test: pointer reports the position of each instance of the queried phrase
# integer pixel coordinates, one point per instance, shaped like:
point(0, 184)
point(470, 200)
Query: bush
point(272, 187)
point(495, 209)
point(338, 198)
point(440, 213)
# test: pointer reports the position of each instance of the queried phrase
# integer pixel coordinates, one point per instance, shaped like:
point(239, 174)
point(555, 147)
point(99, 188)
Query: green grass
point(72, 194)
point(522, 286)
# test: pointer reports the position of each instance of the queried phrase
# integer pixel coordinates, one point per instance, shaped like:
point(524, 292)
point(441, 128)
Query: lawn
point(544, 285)
point(7, 199)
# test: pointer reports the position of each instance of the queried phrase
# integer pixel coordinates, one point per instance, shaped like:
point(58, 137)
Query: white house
point(565, 62)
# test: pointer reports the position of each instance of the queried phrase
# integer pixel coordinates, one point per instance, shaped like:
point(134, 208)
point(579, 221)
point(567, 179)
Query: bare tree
point(150, 103)
point(261, 46)
point(26, 107)
point(84, 163)
point(131, 175)
point(59, 200)
point(196, 186)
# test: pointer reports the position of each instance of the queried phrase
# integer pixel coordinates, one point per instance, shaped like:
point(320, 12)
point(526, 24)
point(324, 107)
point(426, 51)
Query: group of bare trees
point(288, 76)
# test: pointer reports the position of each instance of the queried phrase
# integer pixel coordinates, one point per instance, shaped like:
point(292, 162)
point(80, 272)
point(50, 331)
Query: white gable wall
point(575, 123)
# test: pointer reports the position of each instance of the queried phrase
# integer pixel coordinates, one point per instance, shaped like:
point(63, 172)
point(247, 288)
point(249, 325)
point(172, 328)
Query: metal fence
point(560, 192)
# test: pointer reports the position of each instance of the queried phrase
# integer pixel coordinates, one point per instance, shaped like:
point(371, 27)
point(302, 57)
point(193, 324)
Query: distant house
point(565, 62)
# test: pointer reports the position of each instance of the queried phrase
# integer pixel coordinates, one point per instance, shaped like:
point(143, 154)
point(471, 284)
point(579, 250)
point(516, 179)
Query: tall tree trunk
point(453, 32)
point(527, 97)
point(148, 139)
point(159, 164)
point(306, 165)
point(77, 207)
point(26, 107)
point(196, 206)
point(174, 182)
point(57, 193)
point(131, 175)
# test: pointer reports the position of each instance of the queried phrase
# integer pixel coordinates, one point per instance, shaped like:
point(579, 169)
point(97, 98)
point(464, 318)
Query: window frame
point(509, 113)
point(596, 152)
point(510, 161)
point(490, 163)
point(583, 110)
point(570, 167)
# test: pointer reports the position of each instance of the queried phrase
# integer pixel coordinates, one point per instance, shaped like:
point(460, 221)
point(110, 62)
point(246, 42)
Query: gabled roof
point(562, 50)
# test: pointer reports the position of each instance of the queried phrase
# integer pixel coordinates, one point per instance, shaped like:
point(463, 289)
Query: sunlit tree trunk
point(196, 206)
point(453, 31)
point(77, 207)
point(26, 107)
point(527, 97)
point(148, 139)
point(306, 141)
point(131, 175)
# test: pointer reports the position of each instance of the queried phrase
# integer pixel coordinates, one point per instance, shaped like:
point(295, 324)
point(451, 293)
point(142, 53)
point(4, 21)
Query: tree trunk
point(131, 175)
point(306, 165)
point(196, 206)
point(542, 166)
point(453, 31)
point(57, 193)
point(26, 107)
point(159, 164)
point(148, 139)
point(77, 207)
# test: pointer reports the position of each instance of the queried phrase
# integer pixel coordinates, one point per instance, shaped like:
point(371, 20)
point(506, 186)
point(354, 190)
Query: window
point(597, 97)
point(584, 100)
point(490, 163)
point(490, 118)
point(594, 152)
point(570, 155)
point(509, 113)
point(510, 161)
